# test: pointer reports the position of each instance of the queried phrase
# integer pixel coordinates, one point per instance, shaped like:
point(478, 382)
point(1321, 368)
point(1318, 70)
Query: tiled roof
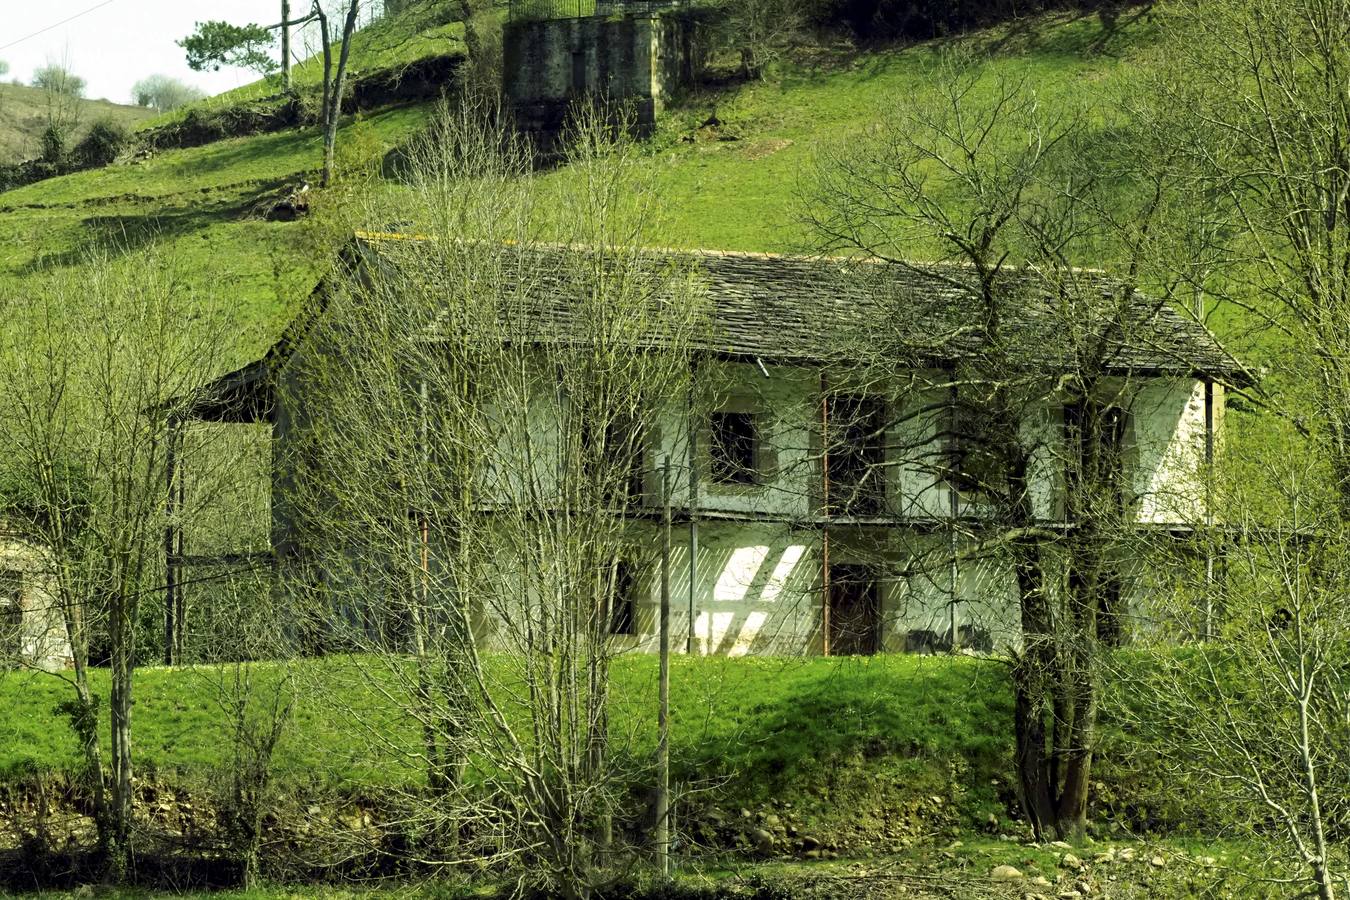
point(795, 308)
point(811, 310)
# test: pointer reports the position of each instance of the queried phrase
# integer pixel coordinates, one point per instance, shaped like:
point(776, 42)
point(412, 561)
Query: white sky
point(117, 44)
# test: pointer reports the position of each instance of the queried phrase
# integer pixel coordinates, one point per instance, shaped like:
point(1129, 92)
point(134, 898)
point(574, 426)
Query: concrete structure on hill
point(558, 52)
point(786, 549)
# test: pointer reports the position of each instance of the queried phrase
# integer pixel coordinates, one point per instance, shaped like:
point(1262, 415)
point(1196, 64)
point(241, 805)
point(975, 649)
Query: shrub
point(53, 144)
point(104, 143)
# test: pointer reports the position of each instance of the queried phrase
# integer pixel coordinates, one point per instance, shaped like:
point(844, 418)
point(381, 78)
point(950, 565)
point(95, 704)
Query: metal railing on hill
point(538, 10)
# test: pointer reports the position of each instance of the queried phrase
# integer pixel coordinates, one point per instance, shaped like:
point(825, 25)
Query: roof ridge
point(374, 236)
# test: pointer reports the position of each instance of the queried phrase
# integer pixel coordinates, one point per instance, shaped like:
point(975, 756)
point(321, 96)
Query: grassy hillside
point(23, 116)
point(793, 719)
point(741, 194)
point(204, 207)
point(724, 194)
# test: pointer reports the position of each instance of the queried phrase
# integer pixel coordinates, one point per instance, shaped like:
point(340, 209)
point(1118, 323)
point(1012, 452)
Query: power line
point(56, 25)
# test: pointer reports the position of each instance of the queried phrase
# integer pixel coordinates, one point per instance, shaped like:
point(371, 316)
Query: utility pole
point(663, 716)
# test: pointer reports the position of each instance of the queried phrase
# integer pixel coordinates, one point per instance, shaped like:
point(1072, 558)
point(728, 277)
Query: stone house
point(785, 549)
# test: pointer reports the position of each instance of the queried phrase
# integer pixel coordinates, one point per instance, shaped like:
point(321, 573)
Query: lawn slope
point(202, 203)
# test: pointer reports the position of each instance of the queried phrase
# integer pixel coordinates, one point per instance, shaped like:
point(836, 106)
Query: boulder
point(762, 840)
point(1005, 873)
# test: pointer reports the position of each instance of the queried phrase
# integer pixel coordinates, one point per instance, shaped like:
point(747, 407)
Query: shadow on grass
point(781, 732)
point(1074, 34)
point(121, 234)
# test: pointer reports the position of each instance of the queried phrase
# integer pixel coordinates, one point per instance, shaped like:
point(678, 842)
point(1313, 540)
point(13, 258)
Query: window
point(579, 71)
point(614, 460)
point(733, 448)
point(1095, 464)
point(857, 455)
point(978, 464)
point(623, 599)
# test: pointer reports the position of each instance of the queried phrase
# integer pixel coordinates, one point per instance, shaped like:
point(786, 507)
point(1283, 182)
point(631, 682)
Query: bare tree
point(762, 30)
point(987, 185)
point(162, 93)
point(94, 366)
point(1260, 115)
point(468, 485)
point(1258, 715)
point(334, 77)
point(62, 92)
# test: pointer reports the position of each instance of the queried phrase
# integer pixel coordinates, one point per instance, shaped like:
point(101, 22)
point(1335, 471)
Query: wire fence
point(537, 10)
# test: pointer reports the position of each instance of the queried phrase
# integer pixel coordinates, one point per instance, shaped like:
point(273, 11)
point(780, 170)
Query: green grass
point(23, 116)
point(200, 206)
point(742, 194)
point(792, 723)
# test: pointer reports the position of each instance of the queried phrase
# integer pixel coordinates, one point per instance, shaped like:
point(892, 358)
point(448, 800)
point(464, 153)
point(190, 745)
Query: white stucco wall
point(41, 639)
point(1168, 416)
point(757, 588)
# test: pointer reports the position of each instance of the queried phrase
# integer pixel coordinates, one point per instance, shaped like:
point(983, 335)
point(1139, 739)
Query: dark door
point(855, 611)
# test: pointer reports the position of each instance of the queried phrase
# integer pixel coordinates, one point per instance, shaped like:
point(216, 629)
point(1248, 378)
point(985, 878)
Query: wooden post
point(662, 810)
point(825, 513)
point(1209, 510)
point(954, 510)
point(693, 511)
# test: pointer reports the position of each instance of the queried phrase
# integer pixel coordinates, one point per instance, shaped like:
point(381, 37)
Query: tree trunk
point(84, 720)
point(473, 41)
point(1081, 687)
point(123, 666)
point(334, 97)
point(1031, 670)
point(286, 45)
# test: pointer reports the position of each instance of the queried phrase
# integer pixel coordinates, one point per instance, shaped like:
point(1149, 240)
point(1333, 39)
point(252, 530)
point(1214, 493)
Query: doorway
point(854, 611)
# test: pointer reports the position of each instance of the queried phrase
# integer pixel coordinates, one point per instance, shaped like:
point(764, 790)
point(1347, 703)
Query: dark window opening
point(1095, 468)
point(579, 71)
point(857, 455)
point(978, 447)
point(624, 451)
point(623, 599)
point(734, 446)
point(613, 460)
